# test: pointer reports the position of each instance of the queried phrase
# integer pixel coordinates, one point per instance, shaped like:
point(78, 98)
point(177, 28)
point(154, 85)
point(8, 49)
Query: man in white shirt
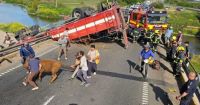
point(82, 73)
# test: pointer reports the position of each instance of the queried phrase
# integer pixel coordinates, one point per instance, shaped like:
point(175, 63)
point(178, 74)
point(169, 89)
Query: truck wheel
point(78, 13)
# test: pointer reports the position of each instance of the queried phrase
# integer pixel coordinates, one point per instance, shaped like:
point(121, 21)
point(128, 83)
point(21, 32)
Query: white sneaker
point(35, 88)
point(82, 83)
point(65, 58)
point(87, 84)
point(94, 73)
point(88, 77)
point(58, 58)
point(24, 83)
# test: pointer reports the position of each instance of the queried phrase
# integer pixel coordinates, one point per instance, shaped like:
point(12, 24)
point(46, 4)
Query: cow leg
point(53, 78)
point(40, 75)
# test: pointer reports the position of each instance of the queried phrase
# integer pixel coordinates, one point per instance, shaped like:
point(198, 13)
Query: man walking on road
point(93, 60)
point(146, 53)
point(82, 73)
point(188, 89)
point(62, 41)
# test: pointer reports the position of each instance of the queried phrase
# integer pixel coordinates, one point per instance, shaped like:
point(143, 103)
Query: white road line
point(145, 93)
point(2, 74)
point(48, 101)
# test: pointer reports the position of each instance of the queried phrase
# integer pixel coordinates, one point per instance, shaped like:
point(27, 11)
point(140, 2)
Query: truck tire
point(88, 11)
point(78, 13)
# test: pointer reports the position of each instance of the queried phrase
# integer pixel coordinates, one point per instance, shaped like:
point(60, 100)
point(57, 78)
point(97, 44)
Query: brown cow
point(48, 66)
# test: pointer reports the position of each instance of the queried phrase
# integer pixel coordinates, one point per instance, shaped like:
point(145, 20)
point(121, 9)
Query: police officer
point(188, 89)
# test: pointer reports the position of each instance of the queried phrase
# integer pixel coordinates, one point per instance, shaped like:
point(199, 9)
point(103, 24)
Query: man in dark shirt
point(25, 51)
point(188, 89)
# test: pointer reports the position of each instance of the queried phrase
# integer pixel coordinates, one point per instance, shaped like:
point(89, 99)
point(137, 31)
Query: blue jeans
point(83, 76)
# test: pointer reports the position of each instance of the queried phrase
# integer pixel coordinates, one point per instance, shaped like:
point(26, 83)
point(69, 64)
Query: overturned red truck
point(110, 21)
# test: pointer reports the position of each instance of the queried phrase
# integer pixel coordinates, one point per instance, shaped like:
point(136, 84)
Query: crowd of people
point(85, 63)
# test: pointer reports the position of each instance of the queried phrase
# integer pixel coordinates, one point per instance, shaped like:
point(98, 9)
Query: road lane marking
point(145, 93)
point(48, 101)
point(48, 51)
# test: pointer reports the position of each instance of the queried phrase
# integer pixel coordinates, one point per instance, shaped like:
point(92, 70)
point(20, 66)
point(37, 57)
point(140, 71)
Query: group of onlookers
point(86, 63)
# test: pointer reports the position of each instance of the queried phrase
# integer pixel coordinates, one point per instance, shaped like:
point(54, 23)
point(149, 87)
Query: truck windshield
point(157, 19)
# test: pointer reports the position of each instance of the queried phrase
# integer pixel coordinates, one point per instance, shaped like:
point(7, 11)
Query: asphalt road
point(117, 82)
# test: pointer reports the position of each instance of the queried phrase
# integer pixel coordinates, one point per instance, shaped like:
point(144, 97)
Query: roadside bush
point(47, 13)
point(158, 5)
point(189, 4)
point(195, 62)
point(180, 20)
point(11, 27)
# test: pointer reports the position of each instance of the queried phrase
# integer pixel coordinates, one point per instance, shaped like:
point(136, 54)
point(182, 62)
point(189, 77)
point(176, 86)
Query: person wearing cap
point(25, 51)
point(146, 53)
point(62, 41)
point(188, 89)
point(168, 35)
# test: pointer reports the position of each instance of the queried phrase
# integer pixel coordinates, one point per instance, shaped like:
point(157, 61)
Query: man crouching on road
point(188, 89)
point(82, 73)
point(34, 67)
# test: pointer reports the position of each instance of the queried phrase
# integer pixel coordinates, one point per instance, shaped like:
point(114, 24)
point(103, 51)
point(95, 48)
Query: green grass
point(181, 19)
point(183, 3)
point(11, 27)
point(195, 62)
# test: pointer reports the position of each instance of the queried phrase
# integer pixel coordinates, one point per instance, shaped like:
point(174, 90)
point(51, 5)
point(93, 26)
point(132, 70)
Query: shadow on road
point(165, 68)
point(161, 94)
point(133, 65)
point(162, 56)
point(73, 104)
point(130, 77)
